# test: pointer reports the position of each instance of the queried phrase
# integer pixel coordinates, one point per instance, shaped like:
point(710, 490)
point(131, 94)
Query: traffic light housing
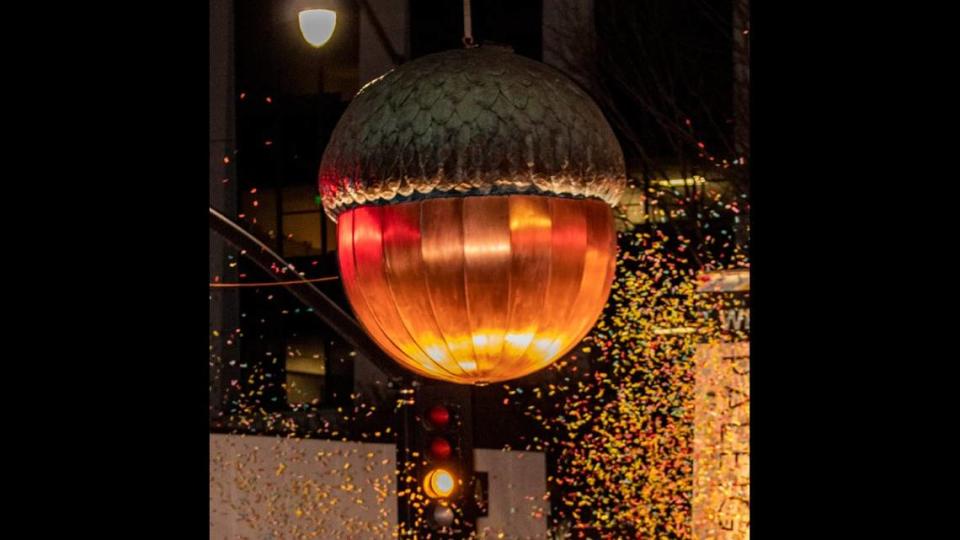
point(442, 470)
point(442, 441)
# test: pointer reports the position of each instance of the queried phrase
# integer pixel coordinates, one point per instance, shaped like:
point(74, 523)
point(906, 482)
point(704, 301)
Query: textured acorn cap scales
point(479, 121)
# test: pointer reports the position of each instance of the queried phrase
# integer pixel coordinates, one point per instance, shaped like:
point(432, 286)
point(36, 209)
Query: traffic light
point(444, 472)
point(436, 485)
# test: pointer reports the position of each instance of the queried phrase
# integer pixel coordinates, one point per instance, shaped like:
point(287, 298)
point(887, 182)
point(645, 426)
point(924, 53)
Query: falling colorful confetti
point(621, 417)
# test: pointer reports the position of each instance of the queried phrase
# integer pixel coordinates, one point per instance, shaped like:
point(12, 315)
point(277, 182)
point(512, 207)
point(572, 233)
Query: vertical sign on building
point(721, 441)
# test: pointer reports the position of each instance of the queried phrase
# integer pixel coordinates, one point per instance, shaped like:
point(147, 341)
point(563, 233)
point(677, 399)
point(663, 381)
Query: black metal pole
point(404, 426)
point(323, 215)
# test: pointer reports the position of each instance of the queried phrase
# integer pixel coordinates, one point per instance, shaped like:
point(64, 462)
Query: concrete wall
point(271, 487)
point(518, 494)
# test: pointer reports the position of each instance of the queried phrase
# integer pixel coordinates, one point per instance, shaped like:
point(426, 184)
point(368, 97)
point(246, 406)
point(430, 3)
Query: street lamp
point(317, 25)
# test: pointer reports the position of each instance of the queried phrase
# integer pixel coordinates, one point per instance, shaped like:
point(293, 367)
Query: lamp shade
point(473, 192)
point(317, 25)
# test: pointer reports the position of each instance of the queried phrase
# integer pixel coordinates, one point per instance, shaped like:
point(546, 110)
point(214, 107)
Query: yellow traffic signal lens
point(438, 483)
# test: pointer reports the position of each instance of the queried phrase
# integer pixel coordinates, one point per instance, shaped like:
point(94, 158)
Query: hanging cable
point(467, 26)
point(219, 285)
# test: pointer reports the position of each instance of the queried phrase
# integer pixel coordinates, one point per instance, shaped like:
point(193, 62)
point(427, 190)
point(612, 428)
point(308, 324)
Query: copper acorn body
point(473, 192)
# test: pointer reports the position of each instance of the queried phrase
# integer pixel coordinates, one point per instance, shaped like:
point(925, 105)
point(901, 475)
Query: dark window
point(306, 368)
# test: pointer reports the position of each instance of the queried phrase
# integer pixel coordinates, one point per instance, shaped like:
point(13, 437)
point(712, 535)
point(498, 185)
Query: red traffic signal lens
point(440, 448)
point(439, 416)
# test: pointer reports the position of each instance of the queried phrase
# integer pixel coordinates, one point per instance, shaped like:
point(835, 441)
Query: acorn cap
point(470, 122)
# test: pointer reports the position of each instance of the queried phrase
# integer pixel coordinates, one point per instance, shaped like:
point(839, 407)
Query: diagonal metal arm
point(325, 308)
point(395, 57)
